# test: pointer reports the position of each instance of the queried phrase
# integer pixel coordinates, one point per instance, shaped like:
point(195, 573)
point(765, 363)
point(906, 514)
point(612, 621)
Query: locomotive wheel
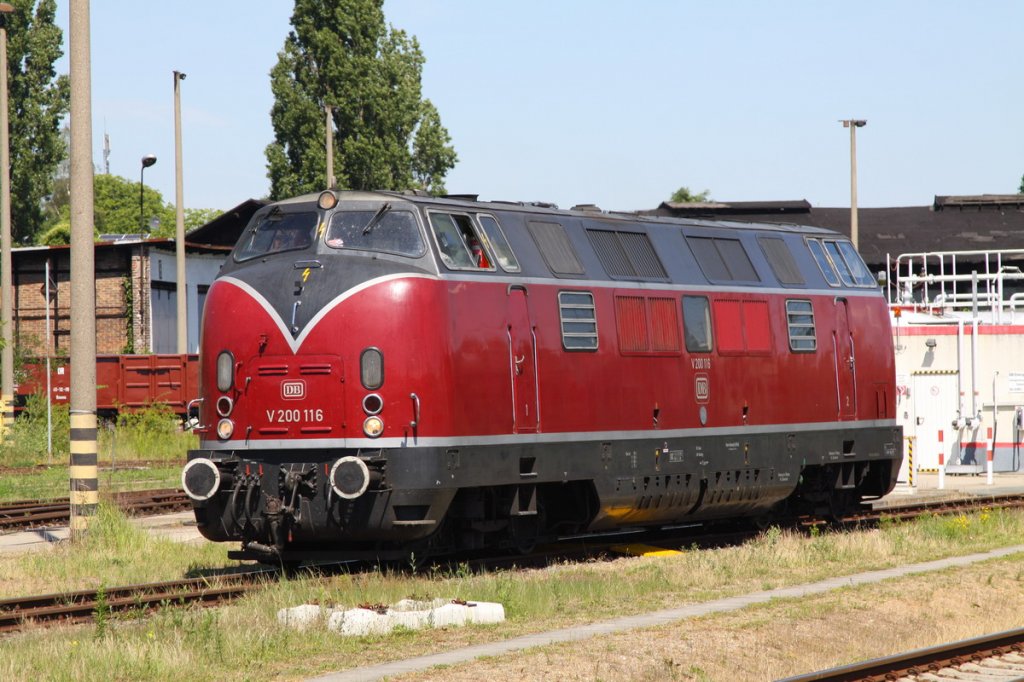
point(524, 532)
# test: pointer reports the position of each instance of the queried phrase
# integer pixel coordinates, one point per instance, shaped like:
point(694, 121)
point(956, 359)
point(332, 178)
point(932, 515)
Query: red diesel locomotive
point(384, 373)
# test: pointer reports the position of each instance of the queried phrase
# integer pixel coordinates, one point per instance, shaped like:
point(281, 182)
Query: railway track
point(992, 658)
point(84, 605)
point(25, 514)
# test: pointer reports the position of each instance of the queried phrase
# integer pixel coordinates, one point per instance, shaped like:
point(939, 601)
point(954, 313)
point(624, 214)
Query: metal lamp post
point(6, 279)
point(147, 161)
point(179, 222)
point(853, 124)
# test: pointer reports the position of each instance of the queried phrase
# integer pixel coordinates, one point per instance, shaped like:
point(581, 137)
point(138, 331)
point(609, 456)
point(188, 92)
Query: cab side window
point(460, 242)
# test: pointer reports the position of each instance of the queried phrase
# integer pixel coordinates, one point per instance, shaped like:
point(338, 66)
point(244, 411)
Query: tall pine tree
point(387, 136)
point(38, 101)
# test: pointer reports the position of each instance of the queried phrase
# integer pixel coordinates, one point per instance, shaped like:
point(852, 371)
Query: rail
point(24, 514)
point(970, 659)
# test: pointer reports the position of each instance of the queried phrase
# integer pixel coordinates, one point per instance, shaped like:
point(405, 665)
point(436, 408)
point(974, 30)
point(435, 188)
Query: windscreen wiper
point(376, 218)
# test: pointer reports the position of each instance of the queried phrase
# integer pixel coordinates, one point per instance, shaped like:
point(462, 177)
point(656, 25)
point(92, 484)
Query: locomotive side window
point(578, 318)
point(274, 232)
point(556, 249)
point(861, 275)
point(840, 262)
point(498, 243)
point(461, 245)
point(391, 232)
point(723, 260)
point(800, 319)
point(780, 258)
point(627, 254)
point(824, 264)
point(697, 324)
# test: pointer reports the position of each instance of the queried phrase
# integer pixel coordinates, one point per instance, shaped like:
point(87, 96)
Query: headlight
point(225, 371)
point(224, 406)
point(225, 427)
point(373, 404)
point(327, 200)
point(371, 369)
point(373, 426)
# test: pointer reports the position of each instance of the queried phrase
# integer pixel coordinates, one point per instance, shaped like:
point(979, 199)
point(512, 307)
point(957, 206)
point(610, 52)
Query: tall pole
point(84, 483)
point(330, 146)
point(853, 124)
point(179, 221)
point(6, 279)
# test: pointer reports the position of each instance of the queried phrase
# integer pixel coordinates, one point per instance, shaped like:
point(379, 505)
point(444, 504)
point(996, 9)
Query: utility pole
point(179, 222)
point(84, 482)
point(330, 146)
point(6, 278)
point(853, 124)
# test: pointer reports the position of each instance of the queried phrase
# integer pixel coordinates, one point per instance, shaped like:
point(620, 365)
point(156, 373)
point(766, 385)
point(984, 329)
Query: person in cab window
point(479, 255)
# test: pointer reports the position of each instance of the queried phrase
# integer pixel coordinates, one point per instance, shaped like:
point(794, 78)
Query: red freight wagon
point(122, 382)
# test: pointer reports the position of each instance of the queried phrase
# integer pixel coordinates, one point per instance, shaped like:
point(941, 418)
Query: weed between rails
point(152, 435)
point(244, 640)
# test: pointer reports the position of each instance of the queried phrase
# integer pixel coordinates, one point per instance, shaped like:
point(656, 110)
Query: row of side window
point(477, 242)
point(648, 325)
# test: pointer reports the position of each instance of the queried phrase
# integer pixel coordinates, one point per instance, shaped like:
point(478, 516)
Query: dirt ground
point(782, 638)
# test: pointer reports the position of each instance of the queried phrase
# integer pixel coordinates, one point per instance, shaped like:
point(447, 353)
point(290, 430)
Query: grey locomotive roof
point(589, 213)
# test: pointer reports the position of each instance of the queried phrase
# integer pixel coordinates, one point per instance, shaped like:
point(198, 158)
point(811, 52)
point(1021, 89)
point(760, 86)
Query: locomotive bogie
point(473, 376)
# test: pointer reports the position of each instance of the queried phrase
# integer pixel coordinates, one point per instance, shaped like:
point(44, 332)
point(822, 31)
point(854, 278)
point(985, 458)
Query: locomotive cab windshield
point(277, 231)
point(388, 230)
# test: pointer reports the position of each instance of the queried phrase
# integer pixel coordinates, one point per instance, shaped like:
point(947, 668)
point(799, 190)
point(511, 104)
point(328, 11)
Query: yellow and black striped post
point(84, 493)
point(8, 415)
point(84, 478)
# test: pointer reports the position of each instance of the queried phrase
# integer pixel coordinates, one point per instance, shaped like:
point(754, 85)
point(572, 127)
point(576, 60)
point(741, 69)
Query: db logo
point(701, 388)
point(293, 390)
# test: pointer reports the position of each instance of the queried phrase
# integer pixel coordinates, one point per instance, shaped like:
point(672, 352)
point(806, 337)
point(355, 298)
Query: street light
point(853, 124)
point(179, 222)
point(147, 161)
point(6, 280)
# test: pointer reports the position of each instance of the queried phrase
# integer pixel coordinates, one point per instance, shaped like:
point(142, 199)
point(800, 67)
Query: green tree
point(197, 217)
point(683, 195)
point(116, 208)
point(38, 101)
point(116, 211)
point(1020, 190)
point(386, 136)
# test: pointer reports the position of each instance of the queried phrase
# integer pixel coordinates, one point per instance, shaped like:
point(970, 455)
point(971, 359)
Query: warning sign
point(1016, 382)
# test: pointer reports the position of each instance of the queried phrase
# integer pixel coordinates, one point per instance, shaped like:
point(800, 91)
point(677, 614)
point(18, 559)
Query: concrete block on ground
point(302, 617)
point(408, 613)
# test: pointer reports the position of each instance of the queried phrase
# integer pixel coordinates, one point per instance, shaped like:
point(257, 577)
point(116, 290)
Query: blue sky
point(613, 103)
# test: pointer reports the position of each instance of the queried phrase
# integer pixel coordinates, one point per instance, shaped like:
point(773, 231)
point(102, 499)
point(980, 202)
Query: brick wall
point(113, 266)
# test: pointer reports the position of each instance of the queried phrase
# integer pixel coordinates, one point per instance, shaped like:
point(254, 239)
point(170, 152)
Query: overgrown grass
point(151, 434)
point(152, 437)
point(114, 552)
point(244, 641)
point(54, 482)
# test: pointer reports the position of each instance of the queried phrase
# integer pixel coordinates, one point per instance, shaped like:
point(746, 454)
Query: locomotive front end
point(309, 379)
